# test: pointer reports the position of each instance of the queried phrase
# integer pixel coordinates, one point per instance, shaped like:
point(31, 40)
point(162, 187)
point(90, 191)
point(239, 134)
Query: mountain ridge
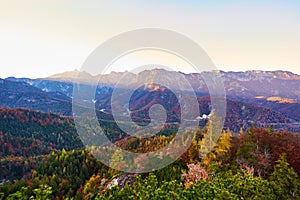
point(280, 89)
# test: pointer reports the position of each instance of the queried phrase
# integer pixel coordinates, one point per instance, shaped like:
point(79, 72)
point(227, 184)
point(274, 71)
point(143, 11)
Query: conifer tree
point(286, 179)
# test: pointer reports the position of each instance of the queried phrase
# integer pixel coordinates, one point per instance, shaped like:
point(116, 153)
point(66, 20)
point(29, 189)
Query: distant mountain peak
point(72, 76)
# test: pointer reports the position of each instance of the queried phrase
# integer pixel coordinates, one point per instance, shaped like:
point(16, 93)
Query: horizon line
point(216, 70)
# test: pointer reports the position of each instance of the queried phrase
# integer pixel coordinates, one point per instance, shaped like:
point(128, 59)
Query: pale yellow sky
point(39, 38)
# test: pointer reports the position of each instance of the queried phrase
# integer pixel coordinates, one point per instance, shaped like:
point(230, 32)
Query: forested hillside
point(255, 164)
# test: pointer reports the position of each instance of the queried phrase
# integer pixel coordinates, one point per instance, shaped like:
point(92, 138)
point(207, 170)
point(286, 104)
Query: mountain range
point(258, 98)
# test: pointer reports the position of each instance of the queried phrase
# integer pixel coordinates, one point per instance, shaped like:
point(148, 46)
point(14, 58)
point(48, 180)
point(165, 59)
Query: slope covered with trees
point(255, 164)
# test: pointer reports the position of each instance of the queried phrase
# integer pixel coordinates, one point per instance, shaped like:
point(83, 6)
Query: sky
point(41, 38)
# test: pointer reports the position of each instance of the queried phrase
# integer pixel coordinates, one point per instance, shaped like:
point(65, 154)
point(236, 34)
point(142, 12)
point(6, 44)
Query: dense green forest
point(47, 161)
